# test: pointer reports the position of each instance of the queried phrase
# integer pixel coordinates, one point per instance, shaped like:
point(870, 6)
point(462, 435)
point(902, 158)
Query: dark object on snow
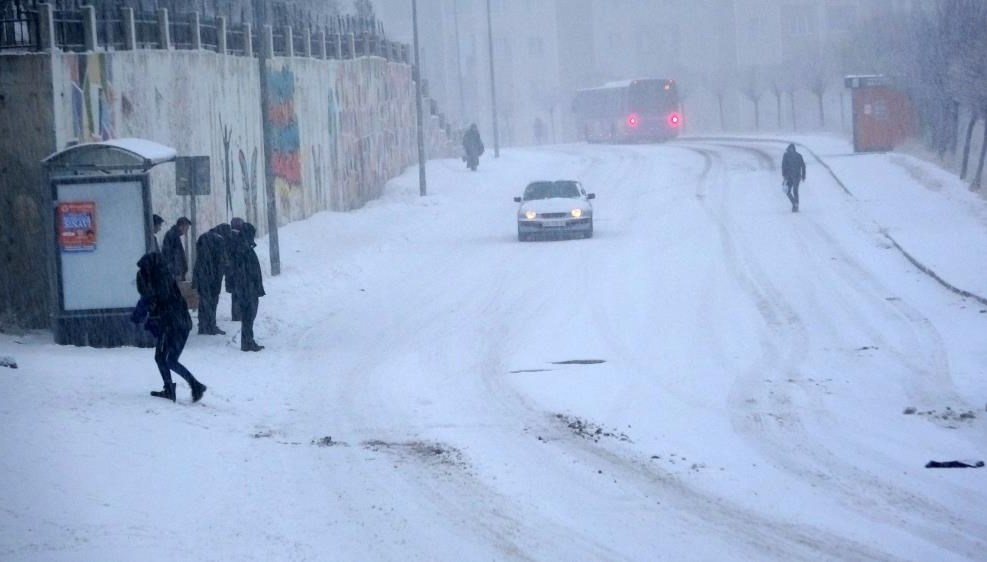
point(8, 362)
point(472, 147)
point(793, 173)
point(954, 464)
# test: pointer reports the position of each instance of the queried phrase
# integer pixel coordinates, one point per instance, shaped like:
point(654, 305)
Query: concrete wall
point(25, 137)
point(339, 130)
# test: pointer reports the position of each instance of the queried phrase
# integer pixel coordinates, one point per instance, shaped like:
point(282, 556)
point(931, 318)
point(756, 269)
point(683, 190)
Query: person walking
point(793, 173)
point(158, 222)
point(248, 285)
point(211, 263)
point(164, 313)
point(173, 251)
point(472, 147)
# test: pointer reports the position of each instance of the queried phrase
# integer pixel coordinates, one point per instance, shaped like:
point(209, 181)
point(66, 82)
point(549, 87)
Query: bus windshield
point(652, 96)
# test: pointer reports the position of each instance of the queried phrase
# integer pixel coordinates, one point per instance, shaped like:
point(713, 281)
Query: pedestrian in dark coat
point(472, 147)
point(248, 285)
point(212, 259)
point(793, 172)
point(165, 314)
point(236, 225)
point(173, 251)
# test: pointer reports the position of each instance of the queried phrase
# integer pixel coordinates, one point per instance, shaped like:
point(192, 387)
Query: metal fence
point(343, 36)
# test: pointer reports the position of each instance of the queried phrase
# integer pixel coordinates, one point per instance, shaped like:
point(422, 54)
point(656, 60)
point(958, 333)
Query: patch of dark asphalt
point(436, 454)
point(579, 362)
point(589, 430)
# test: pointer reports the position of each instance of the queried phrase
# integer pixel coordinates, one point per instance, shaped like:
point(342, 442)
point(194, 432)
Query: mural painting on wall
point(285, 140)
point(249, 184)
point(227, 167)
point(93, 117)
point(334, 140)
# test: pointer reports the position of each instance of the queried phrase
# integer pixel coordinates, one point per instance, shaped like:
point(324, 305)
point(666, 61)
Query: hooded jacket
point(160, 295)
point(792, 165)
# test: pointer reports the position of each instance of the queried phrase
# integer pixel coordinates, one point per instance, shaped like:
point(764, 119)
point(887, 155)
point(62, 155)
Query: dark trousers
point(235, 307)
point(248, 313)
point(792, 185)
point(208, 301)
point(169, 348)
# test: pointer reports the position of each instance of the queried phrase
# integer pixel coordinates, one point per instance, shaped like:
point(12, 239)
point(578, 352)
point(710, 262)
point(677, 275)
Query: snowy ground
point(711, 377)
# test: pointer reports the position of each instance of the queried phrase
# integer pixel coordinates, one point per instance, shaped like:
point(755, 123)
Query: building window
point(841, 19)
point(798, 21)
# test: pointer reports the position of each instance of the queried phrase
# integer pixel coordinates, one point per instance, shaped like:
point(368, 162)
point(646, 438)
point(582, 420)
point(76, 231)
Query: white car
point(553, 208)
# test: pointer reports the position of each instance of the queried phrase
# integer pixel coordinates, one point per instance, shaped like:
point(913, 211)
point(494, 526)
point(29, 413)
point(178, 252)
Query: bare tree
point(753, 89)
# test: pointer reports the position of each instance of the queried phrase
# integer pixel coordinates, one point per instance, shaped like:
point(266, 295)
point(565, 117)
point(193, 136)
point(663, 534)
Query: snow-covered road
point(711, 377)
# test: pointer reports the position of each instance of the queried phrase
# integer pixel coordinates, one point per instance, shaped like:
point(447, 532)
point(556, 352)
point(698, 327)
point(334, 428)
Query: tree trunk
point(778, 105)
point(822, 111)
point(791, 98)
point(757, 115)
point(966, 144)
point(980, 168)
point(719, 99)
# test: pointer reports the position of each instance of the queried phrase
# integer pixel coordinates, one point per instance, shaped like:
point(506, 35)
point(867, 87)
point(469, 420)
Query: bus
point(645, 109)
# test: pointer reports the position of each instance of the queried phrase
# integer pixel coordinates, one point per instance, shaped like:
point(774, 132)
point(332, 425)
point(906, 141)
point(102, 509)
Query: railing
point(78, 29)
point(20, 32)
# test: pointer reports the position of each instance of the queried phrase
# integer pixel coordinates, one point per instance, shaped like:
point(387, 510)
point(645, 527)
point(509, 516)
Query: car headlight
point(576, 213)
point(530, 215)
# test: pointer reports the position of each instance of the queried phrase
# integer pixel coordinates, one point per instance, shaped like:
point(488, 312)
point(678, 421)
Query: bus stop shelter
point(100, 226)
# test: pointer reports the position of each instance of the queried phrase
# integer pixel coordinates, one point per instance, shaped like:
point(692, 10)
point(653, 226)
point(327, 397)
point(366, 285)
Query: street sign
point(192, 175)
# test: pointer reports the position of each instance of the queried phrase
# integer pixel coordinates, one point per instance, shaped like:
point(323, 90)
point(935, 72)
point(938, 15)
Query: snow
point(711, 377)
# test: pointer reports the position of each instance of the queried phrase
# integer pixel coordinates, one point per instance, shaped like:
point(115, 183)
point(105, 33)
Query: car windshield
point(549, 189)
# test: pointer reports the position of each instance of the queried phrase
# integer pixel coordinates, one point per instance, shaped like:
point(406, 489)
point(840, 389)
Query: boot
point(168, 392)
point(198, 389)
point(251, 346)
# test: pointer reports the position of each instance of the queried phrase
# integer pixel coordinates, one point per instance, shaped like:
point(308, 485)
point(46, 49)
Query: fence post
point(46, 27)
point(289, 40)
point(248, 40)
point(221, 35)
point(267, 42)
point(164, 34)
point(196, 31)
point(320, 38)
point(338, 40)
point(129, 29)
point(351, 44)
point(308, 42)
point(89, 26)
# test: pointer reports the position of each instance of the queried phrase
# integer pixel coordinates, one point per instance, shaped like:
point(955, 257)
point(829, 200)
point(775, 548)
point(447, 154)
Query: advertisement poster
point(77, 226)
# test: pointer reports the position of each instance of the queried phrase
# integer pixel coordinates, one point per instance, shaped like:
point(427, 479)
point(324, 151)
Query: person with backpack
point(793, 173)
point(163, 311)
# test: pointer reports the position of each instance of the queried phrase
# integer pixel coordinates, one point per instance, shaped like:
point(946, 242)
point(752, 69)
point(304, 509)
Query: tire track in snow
point(778, 431)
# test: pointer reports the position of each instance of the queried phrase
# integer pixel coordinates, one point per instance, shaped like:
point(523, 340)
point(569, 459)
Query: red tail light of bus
point(674, 120)
point(633, 121)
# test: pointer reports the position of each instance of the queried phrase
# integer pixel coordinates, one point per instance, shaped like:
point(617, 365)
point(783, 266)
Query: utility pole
point(261, 24)
point(493, 84)
point(418, 103)
point(459, 64)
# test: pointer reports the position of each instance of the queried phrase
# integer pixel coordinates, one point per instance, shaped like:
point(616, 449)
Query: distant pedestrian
point(472, 147)
point(212, 257)
point(165, 314)
point(173, 251)
point(248, 285)
point(236, 226)
point(158, 223)
point(793, 173)
point(539, 129)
